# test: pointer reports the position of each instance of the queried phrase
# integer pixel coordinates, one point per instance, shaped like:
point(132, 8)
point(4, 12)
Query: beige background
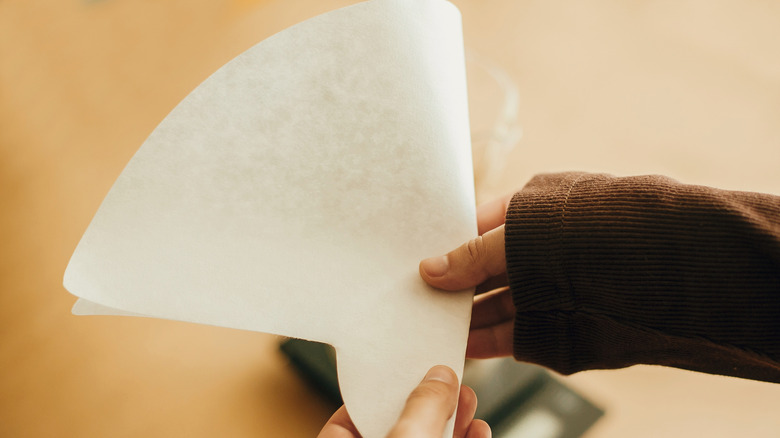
point(690, 89)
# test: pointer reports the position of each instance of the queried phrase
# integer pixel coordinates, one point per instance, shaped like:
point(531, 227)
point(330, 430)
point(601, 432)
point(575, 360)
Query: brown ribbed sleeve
point(609, 272)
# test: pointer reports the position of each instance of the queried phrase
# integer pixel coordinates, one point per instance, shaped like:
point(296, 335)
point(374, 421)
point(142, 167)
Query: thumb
point(469, 265)
point(429, 406)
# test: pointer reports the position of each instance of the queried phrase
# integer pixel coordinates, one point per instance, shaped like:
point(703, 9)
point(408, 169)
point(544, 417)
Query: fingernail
point(442, 374)
point(436, 266)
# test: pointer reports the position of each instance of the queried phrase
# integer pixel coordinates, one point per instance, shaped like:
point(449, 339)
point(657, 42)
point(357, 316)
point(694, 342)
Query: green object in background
point(516, 399)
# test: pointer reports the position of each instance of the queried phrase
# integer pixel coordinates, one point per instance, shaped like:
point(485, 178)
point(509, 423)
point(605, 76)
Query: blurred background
point(689, 89)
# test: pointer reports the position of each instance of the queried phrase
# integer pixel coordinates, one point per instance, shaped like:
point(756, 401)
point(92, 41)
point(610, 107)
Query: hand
point(426, 412)
point(481, 262)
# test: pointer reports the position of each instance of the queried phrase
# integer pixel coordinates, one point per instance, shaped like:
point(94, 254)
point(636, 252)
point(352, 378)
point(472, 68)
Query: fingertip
point(467, 407)
point(479, 429)
point(430, 405)
point(435, 267)
point(442, 373)
point(467, 395)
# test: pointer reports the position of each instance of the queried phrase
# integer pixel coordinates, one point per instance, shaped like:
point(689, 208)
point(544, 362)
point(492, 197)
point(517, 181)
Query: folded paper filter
point(296, 190)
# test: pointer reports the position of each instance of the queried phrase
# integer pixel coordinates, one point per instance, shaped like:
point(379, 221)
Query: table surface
point(689, 89)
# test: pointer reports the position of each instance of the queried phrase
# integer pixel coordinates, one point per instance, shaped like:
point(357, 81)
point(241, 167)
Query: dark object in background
point(516, 399)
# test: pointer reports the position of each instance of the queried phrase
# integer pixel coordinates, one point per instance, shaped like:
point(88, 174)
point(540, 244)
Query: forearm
point(609, 272)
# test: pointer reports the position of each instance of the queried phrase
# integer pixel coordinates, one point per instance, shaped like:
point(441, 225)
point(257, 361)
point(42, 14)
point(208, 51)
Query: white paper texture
point(295, 192)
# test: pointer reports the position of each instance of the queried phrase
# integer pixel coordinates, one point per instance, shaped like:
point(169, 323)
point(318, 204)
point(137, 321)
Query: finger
point(467, 407)
point(339, 426)
point(468, 265)
point(491, 309)
point(492, 214)
point(499, 281)
point(492, 341)
point(429, 406)
point(479, 429)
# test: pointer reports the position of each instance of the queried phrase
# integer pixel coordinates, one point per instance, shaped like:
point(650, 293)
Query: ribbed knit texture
point(610, 272)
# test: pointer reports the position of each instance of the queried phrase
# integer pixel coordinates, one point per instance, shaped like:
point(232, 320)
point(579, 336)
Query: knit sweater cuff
point(534, 222)
point(609, 272)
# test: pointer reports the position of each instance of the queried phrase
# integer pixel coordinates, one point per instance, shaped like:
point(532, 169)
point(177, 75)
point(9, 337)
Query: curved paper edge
point(373, 419)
